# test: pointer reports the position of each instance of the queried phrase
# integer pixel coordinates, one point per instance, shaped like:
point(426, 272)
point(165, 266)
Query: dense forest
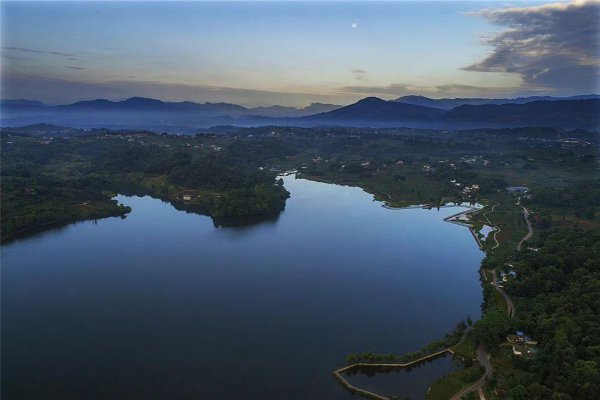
point(558, 303)
point(51, 182)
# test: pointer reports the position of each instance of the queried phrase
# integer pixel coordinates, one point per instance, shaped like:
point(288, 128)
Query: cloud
point(359, 73)
point(552, 46)
point(448, 90)
point(11, 57)
point(72, 67)
point(26, 50)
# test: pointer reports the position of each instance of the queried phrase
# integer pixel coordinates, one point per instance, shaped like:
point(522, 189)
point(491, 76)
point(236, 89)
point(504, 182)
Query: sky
point(295, 53)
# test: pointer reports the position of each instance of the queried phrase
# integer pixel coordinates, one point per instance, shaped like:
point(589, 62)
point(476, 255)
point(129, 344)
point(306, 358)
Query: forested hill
point(51, 182)
point(559, 305)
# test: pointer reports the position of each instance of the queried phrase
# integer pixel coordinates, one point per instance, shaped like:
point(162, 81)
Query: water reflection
point(411, 382)
point(164, 305)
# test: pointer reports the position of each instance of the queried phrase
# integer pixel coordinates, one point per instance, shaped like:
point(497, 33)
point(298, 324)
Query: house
point(522, 345)
point(518, 338)
point(187, 195)
point(512, 338)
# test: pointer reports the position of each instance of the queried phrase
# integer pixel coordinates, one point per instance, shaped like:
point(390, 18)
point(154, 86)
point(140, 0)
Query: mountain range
point(408, 111)
point(448, 104)
point(143, 104)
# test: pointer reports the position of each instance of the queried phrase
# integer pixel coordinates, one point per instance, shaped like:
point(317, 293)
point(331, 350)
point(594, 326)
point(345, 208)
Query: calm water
point(412, 383)
point(164, 305)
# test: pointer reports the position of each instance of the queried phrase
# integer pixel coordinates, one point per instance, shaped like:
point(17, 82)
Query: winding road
point(482, 355)
point(484, 359)
point(496, 228)
point(529, 229)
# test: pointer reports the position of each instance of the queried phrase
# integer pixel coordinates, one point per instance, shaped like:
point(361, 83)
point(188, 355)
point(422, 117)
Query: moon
point(354, 25)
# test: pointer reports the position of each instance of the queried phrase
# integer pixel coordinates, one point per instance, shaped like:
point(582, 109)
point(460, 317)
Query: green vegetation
point(558, 295)
point(448, 341)
point(51, 182)
point(454, 382)
point(466, 348)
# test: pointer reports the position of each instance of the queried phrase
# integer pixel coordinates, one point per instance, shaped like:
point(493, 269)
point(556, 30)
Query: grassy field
point(466, 349)
point(452, 383)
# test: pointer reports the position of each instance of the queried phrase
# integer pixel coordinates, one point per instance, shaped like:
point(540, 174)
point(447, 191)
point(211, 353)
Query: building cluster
point(506, 276)
point(470, 191)
point(428, 169)
point(522, 344)
point(573, 142)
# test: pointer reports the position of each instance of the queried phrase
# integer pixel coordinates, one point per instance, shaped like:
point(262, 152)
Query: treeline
point(50, 182)
point(581, 199)
point(558, 293)
point(449, 340)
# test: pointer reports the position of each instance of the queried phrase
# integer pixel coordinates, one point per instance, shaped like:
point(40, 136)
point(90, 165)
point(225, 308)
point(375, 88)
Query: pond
point(485, 231)
point(165, 304)
point(412, 382)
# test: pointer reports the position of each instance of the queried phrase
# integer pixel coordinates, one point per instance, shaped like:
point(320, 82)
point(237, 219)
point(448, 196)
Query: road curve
point(483, 358)
point(496, 228)
point(529, 229)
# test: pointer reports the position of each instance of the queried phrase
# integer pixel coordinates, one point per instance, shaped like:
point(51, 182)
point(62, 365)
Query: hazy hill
point(289, 112)
point(557, 113)
point(456, 102)
point(187, 116)
point(373, 109)
point(137, 104)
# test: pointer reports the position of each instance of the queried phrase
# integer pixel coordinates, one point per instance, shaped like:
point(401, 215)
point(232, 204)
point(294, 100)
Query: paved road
point(482, 355)
point(484, 360)
point(529, 229)
point(510, 307)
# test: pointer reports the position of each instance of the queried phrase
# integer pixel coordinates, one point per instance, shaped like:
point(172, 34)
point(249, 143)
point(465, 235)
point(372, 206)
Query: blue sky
point(263, 53)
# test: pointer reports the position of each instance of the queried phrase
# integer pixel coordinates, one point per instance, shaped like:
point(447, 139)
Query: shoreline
point(479, 383)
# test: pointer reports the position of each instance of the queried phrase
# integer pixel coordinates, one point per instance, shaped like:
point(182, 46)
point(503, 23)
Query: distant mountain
point(21, 102)
point(315, 108)
point(137, 104)
point(456, 102)
point(143, 104)
point(273, 111)
point(555, 113)
point(213, 109)
point(374, 109)
point(187, 117)
point(375, 112)
point(290, 112)
point(20, 105)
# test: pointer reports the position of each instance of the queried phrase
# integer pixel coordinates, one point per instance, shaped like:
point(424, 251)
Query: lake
point(164, 304)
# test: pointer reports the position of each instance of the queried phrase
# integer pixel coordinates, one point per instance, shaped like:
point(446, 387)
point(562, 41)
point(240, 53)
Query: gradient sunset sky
point(295, 53)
